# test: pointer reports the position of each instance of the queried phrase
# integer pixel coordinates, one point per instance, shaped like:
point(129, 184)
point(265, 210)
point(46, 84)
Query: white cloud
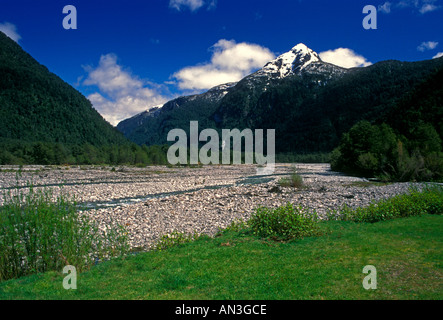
point(385, 8)
point(345, 58)
point(192, 5)
point(423, 6)
point(10, 30)
point(122, 94)
point(438, 55)
point(429, 45)
point(230, 62)
point(428, 8)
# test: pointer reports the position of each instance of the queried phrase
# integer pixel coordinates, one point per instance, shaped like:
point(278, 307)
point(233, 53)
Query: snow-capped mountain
point(290, 63)
point(300, 60)
point(299, 64)
point(309, 102)
point(229, 98)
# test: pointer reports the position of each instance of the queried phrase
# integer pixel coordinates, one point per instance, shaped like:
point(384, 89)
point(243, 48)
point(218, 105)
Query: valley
point(221, 150)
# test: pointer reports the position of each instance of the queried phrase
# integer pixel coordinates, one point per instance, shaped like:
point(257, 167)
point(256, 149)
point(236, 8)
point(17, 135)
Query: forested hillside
point(310, 110)
point(36, 105)
point(43, 120)
point(312, 117)
point(404, 144)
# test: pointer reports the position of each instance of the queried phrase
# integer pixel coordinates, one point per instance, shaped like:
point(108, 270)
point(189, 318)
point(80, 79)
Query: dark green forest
point(36, 105)
point(311, 118)
point(404, 144)
point(43, 120)
point(49, 153)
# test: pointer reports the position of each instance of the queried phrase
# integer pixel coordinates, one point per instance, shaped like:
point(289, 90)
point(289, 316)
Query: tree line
point(48, 153)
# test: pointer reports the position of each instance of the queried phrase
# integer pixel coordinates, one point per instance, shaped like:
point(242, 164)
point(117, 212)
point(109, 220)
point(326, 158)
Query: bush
point(237, 225)
point(38, 234)
point(284, 223)
point(294, 181)
point(415, 203)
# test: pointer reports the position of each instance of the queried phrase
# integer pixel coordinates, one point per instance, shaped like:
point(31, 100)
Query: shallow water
point(251, 180)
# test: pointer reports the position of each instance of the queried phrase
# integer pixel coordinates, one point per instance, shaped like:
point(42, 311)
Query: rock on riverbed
point(154, 201)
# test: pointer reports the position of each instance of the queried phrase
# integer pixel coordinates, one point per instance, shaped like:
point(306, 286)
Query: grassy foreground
point(407, 253)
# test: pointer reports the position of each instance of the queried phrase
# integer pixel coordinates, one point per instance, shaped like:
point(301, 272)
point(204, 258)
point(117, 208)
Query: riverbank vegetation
point(373, 150)
point(40, 232)
point(405, 144)
point(239, 263)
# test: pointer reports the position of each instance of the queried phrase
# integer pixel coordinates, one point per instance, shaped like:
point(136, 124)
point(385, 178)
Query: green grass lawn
point(407, 253)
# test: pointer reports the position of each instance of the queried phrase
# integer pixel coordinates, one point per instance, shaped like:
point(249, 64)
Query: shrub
point(294, 181)
point(415, 203)
point(368, 162)
point(284, 223)
point(430, 199)
point(38, 234)
point(237, 225)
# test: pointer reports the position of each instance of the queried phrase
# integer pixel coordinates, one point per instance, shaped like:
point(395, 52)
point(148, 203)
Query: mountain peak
point(301, 47)
point(291, 62)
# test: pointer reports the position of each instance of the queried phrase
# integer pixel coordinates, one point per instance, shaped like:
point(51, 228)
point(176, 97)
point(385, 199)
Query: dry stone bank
point(154, 201)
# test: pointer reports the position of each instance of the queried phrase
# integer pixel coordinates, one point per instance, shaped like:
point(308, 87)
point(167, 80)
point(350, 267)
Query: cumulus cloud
point(438, 55)
point(10, 30)
point(345, 58)
point(230, 62)
point(122, 94)
point(429, 45)
point(428, 8)
point(423, 6)
point(192, 5)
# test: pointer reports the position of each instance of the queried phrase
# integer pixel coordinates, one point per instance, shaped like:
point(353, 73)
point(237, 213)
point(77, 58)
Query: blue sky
point(127, 56)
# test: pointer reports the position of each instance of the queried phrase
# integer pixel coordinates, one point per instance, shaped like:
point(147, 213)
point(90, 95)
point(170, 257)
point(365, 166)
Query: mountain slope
point(152, 127)
point(36, 105)
point(422, 105)
point(313, 120)
point(403, 145)
point(300, 66)
point(310, 103)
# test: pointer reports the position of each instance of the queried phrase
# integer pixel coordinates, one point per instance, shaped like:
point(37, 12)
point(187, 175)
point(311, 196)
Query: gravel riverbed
point(158, 200)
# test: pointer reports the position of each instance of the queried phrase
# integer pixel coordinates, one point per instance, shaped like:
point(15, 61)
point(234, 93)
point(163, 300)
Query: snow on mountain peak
point(292, 61)
point(301, 47)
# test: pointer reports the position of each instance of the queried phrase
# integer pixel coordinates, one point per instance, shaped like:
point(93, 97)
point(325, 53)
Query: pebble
point(154, 201)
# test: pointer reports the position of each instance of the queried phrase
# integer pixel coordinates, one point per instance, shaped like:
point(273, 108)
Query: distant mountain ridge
point(151, 127)
point(309, 102)
point(155, 124)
